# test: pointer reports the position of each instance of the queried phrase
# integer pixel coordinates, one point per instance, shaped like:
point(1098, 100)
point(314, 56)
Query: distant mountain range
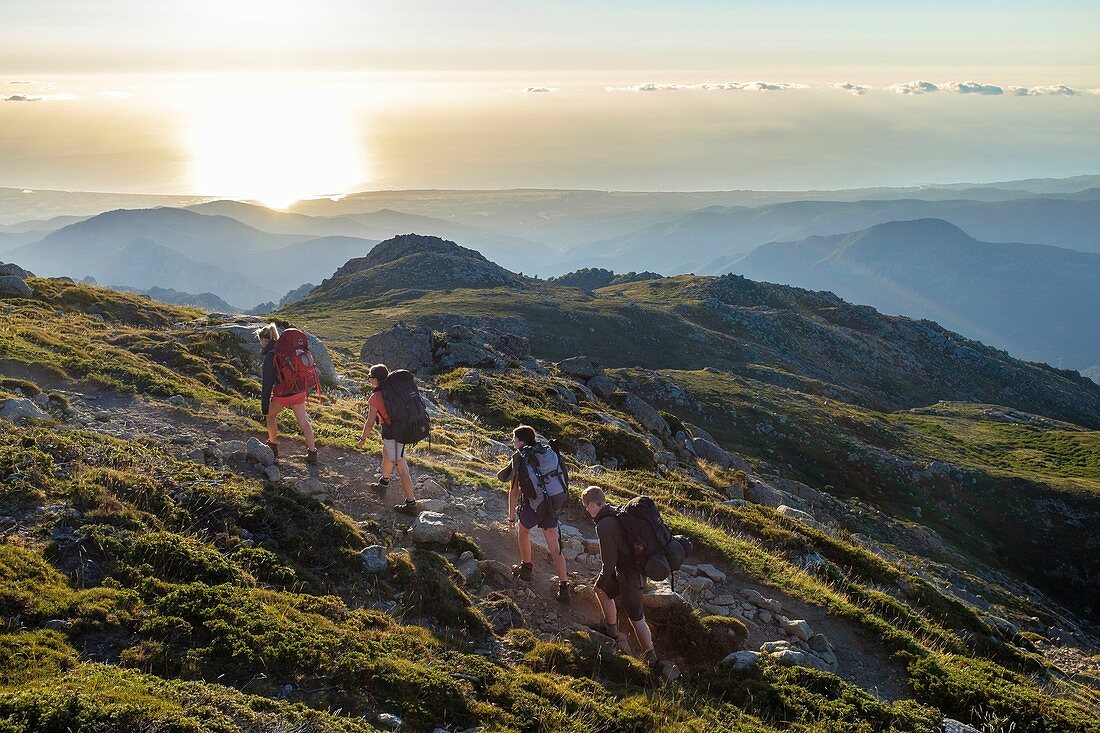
point(1036, 301)
point(709, 240)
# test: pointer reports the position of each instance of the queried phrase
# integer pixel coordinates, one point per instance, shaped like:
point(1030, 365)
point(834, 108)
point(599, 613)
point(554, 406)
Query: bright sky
point(279, 99)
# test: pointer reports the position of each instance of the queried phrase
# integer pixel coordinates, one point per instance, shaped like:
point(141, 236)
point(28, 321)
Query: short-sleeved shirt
point(378, 404)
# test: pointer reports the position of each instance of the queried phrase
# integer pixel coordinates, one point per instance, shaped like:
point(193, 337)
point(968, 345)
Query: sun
point(275, 146)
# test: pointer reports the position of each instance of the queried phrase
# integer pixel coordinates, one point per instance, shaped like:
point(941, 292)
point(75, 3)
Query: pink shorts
point(289, 400)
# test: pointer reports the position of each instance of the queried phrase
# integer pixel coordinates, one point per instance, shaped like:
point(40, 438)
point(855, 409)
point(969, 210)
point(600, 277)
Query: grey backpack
point(545, 480)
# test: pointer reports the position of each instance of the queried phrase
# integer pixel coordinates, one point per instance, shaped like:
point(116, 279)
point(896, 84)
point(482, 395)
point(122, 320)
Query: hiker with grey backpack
point(539, 489)
point(396, 407)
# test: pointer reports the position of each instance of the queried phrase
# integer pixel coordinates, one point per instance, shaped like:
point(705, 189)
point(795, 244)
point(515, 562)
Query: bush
point(432, 588)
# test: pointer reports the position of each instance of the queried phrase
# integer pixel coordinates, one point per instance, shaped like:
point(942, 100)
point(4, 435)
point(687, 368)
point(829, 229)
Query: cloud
point(971, 87)
point(59, 97)
point(741, 86)
point(855, 90)
point(1051, 90)
point(115, 95)
point(21, 81)
point(539, 90)
point(915, 87)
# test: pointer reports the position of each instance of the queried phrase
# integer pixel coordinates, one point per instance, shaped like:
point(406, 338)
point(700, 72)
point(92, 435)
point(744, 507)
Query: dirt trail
point(480, 513)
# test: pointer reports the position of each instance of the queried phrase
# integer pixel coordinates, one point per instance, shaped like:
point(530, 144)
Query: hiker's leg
point(272, 418)
point(303, 423)
point(607, 607)
point(406, 478)
point(555, 552)
point(524, 541)
point(387, 459)
point(641, 630)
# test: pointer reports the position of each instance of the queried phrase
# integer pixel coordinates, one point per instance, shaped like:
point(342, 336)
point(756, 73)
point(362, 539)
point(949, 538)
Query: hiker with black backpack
point(395, 405)
point(288, 375)
point(635, 544)
point(539, 488)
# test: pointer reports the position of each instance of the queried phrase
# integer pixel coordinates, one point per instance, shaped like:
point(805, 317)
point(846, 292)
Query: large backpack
point(657, 552)
point(409, 421)
point(295, 368)
point(545, 480)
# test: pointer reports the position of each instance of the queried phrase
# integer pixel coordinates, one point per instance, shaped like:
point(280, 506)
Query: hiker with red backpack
point(635, 544)
point(288, 375)
point(396, 407)
point(539, 488)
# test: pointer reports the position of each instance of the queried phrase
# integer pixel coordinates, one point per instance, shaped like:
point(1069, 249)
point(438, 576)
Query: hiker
point(273, 403)
point(393, 451)
point(620, 581)
point(539, 486)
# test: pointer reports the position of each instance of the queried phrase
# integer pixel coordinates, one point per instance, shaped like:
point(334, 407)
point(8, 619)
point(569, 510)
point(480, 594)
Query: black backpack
point(409, 421)
point(657, 552)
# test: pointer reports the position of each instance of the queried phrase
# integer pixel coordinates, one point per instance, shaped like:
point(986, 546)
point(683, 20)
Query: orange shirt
point(378, 404)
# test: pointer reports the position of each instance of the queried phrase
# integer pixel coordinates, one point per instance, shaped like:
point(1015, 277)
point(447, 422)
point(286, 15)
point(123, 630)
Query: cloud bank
point(59, 97)
point(856, 90)
point(737, 86)
point(539, 90)
point(1052, 90)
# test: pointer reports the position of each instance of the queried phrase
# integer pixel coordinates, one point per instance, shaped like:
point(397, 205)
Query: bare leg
point(559, 559)
point(387, 465)
point(607, 606)
point(273, 423)
point(645, 637)
point(303, 423)
point(406, 478)
point(524, 540)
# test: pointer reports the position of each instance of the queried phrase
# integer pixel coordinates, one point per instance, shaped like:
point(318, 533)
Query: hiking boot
point(311, 456)
point(408, 508)
point(523, 571)
point(563, 591)
point(274, 449)
point(379, 487)
point(649, 659)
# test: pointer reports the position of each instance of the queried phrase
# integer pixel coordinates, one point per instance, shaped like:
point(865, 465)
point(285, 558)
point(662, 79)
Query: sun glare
point(275, 148)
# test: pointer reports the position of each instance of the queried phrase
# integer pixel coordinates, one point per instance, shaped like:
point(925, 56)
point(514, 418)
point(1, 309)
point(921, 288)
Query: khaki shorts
point(392, 449)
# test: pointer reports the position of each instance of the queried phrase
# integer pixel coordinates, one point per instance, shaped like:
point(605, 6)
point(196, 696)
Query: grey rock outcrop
point(13, 286)
point(579, 367)
point(11, 268)
point(432, 528)
point(244, 328)
point(15, 410)
point(403, 346)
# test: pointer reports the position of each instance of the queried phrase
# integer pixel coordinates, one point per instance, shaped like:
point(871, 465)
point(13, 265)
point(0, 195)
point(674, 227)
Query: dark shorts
point(530, 519)
point(626, 590)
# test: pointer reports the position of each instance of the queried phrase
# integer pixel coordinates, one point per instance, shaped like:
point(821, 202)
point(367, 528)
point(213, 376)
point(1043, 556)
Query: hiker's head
point(523, 435)
point(378, 374)
point(270, 332)
point(594, 500)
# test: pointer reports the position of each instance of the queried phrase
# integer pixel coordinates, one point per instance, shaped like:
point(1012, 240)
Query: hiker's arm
point(267, 384)
point(508, 473)
point(609, 555)
point(368, 425)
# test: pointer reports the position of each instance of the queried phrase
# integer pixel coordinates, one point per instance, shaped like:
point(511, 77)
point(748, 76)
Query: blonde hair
point(593, 495)
point(269, 332)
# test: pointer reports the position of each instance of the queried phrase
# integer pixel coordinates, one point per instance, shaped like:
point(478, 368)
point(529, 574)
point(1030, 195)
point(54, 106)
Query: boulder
point(585, 454)
point(389, 721)
point(18, 409)
point(742, 659)
point(231, 450)
point(711, 572)
point(432, 528)
point(260, 451)
point(819, 644)
point(792, 513)
point(799, 629)
point(711, 452)
point(14, 270)
point(400, 347)
point(375, 559)
point(13, 286)
point(469, 568)
point(950, 725)
point(429, 488)
point(662, 597)
point(310, 486)
point(794, 658)
point(567, 395)
point(579, 367)
point(643, 412)
point(774, 647)
point(601, 386)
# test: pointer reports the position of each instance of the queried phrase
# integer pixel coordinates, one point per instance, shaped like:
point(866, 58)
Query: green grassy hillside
point(140, 590)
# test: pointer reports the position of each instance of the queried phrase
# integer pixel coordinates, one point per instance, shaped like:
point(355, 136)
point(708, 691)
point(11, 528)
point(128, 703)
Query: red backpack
point(295, 369)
